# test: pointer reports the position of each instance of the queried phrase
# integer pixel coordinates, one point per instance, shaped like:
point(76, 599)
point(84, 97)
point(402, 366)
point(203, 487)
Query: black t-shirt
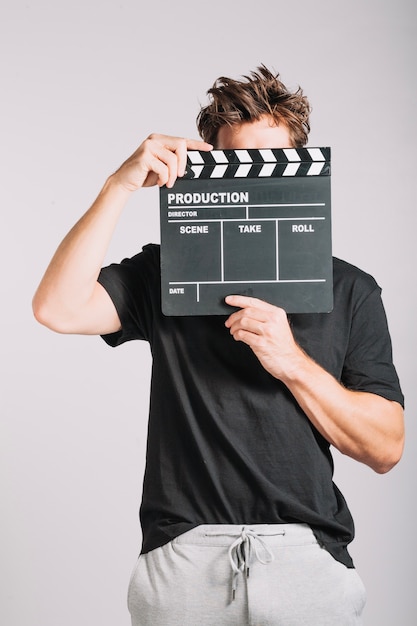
point(227, 442)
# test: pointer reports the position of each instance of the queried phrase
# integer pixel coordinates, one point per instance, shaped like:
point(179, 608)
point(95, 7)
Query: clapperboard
point(250, 222)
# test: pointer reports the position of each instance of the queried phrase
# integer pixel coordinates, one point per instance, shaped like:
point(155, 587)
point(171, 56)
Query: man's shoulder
point(145, 263)
point(346, 272)
point(351, 285)
point(153, 250)
point(150, 255)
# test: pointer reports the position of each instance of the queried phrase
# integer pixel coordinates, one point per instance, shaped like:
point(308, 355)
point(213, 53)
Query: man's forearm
point(71, 277)
point(364, 426)
point(69, 299)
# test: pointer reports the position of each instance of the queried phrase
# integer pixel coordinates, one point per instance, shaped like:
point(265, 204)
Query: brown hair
point(261, 93)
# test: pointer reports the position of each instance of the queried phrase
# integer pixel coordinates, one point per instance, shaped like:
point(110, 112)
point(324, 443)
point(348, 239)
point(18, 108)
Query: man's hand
point(159, 160)
point(265, 328)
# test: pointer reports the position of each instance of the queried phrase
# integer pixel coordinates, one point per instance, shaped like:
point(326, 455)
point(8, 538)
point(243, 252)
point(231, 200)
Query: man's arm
point(69, 299)
point(362, 425)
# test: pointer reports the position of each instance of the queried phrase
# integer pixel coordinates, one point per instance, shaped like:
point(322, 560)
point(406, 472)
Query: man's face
point(261, 134)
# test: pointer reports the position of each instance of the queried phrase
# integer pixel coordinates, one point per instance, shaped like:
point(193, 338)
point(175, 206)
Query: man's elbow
point(392, 455)
point(46, 316)
point(392, 448)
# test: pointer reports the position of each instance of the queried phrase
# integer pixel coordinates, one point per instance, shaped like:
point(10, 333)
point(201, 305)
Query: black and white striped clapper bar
point(251, 222)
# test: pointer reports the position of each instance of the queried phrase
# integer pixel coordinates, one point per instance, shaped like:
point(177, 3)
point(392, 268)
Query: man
point(244, 408)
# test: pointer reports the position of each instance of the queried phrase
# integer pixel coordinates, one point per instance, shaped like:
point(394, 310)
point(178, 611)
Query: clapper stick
point(250, 222)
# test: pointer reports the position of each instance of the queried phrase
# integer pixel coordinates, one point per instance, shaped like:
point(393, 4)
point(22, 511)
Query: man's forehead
point(261, 134)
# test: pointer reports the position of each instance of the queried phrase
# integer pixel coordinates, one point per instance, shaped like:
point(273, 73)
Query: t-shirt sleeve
point(133, 286)
point(369, 364)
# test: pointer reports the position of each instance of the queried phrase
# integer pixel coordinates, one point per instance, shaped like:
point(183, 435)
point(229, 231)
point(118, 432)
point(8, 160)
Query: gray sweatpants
point(265, 575)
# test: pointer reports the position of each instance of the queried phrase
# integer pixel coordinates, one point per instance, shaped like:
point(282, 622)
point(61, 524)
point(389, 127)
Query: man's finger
point(243, 302)
point(197, 144)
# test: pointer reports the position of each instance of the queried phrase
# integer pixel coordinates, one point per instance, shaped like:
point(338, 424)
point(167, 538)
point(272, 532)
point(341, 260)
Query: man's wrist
point(114, 184)
point(297, 367)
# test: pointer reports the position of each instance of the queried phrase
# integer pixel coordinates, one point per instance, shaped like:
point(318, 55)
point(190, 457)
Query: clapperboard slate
point(251, 222)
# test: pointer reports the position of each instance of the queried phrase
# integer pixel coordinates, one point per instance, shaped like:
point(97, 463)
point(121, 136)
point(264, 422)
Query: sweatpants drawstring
point(247, 546)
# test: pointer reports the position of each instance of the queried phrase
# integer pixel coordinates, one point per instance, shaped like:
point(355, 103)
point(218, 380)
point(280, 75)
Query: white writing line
point(251, 206)
point(251, 219)
point(245, 282)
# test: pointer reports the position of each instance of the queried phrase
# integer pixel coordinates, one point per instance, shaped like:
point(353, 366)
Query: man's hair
point(262, 93)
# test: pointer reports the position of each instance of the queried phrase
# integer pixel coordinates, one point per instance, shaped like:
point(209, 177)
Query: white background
point(82, 83)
